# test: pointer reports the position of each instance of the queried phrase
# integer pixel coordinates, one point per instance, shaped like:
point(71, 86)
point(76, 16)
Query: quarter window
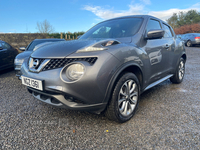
point(168, 32)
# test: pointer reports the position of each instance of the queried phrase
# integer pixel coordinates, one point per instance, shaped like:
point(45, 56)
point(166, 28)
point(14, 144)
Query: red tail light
point(197, 38)
point(17, 50)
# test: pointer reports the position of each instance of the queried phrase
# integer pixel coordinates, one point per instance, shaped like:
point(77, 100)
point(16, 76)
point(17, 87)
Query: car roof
point(192, 33)
point(138, 16)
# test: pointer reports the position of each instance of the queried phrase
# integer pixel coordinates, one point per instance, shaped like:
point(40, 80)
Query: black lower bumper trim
point(69, 104)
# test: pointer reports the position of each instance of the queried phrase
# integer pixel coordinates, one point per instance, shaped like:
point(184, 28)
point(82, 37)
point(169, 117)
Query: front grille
point(40, 61)
point(58, 63)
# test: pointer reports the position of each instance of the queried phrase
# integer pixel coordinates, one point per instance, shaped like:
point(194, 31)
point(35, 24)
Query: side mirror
point(78, 36)
point(22, 48)
point(1, 48)
point(155, 34)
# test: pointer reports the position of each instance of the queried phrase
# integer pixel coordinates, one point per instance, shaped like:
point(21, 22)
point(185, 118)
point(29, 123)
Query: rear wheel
point(124, 99)
point(189, 43)
point(180, 72)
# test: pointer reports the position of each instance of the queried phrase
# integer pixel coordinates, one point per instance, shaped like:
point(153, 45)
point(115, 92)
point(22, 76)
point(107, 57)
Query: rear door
point(7, 54)
point(4, 56)
point(169, 37)
point(1, 55)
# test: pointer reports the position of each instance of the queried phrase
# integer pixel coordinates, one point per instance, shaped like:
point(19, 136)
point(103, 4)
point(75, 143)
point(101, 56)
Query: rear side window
point(5, 45)
point(168, 32)
point(153, 24)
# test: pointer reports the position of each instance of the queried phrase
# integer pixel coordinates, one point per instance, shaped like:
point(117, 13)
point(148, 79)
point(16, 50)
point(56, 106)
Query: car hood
point(24, 55)
point(61, 49)
point(64, 49)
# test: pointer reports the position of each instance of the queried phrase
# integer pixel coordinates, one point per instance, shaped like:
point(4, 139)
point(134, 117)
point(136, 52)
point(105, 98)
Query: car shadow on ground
point(6, 71)
point(197, 46)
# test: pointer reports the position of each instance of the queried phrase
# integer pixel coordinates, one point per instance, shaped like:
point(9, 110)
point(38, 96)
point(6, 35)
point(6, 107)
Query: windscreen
point(116, 28)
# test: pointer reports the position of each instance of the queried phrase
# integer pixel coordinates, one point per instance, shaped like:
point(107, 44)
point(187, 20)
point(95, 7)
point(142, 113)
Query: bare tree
point(44, 27)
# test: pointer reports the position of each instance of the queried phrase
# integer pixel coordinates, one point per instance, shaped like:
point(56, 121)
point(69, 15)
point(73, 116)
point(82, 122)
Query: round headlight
point(75, 71)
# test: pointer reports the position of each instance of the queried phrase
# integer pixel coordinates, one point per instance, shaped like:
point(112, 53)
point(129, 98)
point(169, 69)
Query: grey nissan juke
point(108, 67)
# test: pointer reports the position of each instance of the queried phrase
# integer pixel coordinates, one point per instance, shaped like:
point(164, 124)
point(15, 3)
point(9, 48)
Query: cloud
point(147, 2)
point(165, 14)
point(136, 9)
point(197, 6)
point(107, 14)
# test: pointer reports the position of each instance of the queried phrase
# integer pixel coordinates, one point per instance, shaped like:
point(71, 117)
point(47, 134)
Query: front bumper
point(18, 70)
point(88, 93)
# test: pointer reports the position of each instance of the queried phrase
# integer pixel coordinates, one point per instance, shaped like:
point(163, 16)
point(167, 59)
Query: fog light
point(75, 71)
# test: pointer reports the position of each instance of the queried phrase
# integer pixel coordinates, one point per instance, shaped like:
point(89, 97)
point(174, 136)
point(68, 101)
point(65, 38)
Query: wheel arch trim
point(184, 56)
point(116, 76)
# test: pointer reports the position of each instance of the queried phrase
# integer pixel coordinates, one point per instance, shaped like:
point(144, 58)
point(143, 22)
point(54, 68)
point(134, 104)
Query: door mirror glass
point(22, 48)
point(155, 34)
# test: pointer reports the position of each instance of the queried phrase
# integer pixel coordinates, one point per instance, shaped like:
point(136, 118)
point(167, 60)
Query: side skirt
point(158, 82)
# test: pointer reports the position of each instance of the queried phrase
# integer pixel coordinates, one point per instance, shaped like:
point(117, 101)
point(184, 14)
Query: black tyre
point(180, 72)
point(189, 44)
point(124, 101)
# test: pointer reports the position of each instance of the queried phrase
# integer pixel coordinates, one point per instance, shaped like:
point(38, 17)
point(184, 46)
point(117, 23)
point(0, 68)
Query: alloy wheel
point(128, 97)
point(181, 70)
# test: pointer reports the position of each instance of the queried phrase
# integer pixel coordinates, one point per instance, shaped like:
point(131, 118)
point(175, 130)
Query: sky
point(21, 16)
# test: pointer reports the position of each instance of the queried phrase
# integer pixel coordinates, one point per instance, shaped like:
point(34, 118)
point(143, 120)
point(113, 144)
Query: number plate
point(36, 84)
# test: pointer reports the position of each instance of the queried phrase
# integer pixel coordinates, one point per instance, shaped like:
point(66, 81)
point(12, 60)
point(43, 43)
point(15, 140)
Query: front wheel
point(124, 99)
point(180, 72)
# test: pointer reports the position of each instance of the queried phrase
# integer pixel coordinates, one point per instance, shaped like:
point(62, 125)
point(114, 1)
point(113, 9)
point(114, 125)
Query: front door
point(158, 54)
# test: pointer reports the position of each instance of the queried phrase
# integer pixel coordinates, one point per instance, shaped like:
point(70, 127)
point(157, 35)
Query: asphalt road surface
point(168, 117)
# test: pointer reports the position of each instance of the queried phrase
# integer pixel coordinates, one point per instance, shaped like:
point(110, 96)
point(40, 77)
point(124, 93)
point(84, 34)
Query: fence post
point(61, 35)
point(69, 37)
point(65, 36)
point(73, 37)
